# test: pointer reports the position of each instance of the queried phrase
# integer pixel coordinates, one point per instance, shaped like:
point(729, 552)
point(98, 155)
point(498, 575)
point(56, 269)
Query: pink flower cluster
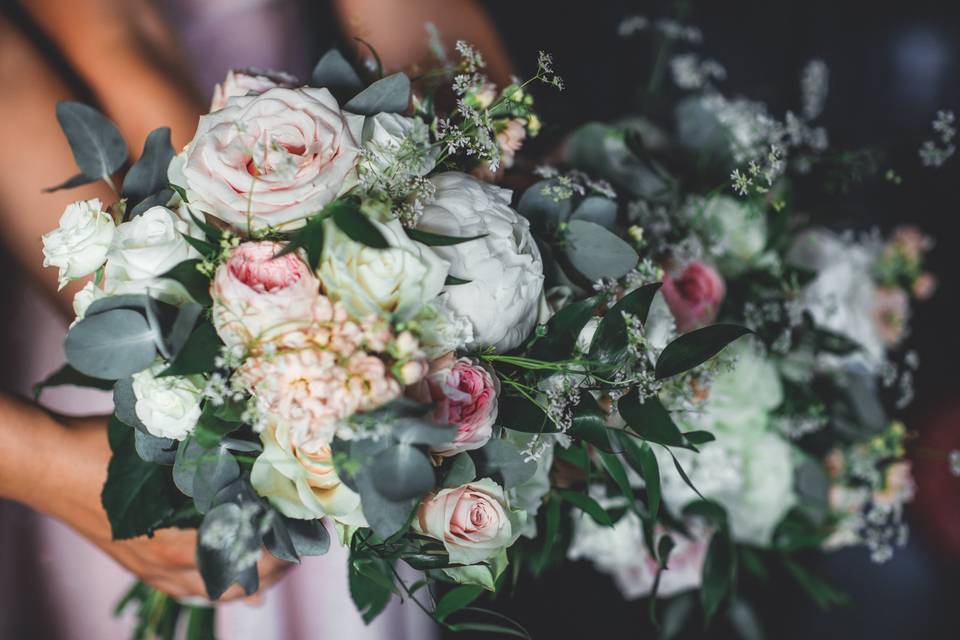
point(309, 363)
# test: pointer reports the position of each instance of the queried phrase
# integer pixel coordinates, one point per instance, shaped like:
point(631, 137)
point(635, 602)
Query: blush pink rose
point(259, 297)
point(242, 82)
point(694, 298)
point(464, 396)
point(473, 521)
point(890, 311)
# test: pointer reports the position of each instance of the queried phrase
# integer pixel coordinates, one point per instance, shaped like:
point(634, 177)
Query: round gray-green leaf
point(402, 472)
point(96, 143)
point(113, 344)
point(542, 209)
point(596, 253)
point(597, 209)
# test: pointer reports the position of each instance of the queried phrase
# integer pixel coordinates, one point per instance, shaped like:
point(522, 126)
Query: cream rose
point(258, 296)
point(243, 82)
point(272, 160)
point(397, 281)
point(79, 244)
point(168, 407)
point(504, 266)
point(473, 521)
point(145, 248)
point(297, 476)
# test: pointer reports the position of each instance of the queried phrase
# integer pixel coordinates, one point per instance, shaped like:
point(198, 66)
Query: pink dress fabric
point(68, 588)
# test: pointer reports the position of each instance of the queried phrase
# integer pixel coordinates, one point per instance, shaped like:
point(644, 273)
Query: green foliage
point(112, 344)
point(595, 253)
point(387, 95)
point(148, 175)
point(196, 283)
point(67, 375)
point(335, 74)
point(96, 143)
point(696, 347)
point(609, 344)
point(199, 352)
point(356, 225)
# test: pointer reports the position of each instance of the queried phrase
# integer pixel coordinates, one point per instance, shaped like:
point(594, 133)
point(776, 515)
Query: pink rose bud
point(242, 82)
point(924, 286)
point(695, 297)
point(259, 297)
point(413, 371)
point(464, 396)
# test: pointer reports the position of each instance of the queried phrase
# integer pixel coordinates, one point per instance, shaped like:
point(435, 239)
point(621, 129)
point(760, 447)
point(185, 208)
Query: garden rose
point(503, 267)
point(243, 82)
point(397, 281)
point(890, 311)
point(79, 245)
point(258, 297)
point(270, 160)
point(168, 407)
point(297, 475)
point(473, 521)
point(385, 134)
point(695, 297)
point(144, 249)
point(464, 395)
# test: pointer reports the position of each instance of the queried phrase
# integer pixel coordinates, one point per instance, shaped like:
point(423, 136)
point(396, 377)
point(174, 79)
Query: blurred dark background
point(892, 66)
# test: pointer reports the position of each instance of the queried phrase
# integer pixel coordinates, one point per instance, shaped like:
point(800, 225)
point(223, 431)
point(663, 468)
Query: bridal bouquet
point(731, 208)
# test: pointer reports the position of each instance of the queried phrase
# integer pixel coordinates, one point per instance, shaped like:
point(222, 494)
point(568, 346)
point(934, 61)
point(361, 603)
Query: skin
point(57, 465)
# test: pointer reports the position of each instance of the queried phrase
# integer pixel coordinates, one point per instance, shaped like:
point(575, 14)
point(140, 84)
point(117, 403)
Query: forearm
point(51, 465)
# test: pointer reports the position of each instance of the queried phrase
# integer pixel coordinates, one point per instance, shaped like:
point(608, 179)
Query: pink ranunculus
point(695, 297)
point(473, 521)
point(272, 160)
point(464, 396)
point(891, 308)
point(243, 82)
point(259, 297)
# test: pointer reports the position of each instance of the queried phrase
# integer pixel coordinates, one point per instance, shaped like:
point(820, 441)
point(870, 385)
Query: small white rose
point(84, 298)
point(169, 407)
point(397, 281)
point(503, 267)
point(391, 140)
point(79, 245)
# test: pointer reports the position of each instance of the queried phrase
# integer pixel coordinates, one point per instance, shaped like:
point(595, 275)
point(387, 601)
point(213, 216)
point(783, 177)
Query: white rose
point(620, 551)
point(386, 134)
point(842, 297)
point(299, 478)
point(397, 281)
point(84, 298)
point(441, 330)
point(145, 248)
point(736, 233)
point(504, 267)
point(272, 160)
point(169, 407)
point(79, 245)
point(473, 521)
point(749, 474)
point(242, 82)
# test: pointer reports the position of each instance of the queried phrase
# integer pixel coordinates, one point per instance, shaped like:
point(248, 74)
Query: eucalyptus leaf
point(544, 211)
point(597, 209)
point(462, 470)
point(153, 449)
point(227, 549)
point(113, 344)
point(310, 537)
point(386, 517)
point(199, 352)
point(334, 73)
point(420, 431)
point(402, 472)
point(159, 199)
point(502, 458)
point(216, 469)
point(597, 253)
point(696, 347)
point(148, 175)
point(125, 404)
point(387, 95)
point(195, 283)
point(96, 143)
point(135, 301)
point(70, 183)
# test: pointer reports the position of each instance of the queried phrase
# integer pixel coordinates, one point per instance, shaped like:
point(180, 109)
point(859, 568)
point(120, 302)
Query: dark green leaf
point(609, 344)
point(96, 143)
point(211, 428)
point(113, 344)
point(67, 375)
point(358, 227)
point(824, 594)
point(699, 437)
point(521, 414)
point(438, 240)
point(137, 495)
point(462, 470)
point(616, 471)
point(589, 423)
point(696, 347)
point(369, 578)
point(310, 239)
point(456, 599)
point(70, 183)
point(148, 175)
point(159, 199)
point(453, 280)
point(642, 459)
point(744, 620)
point(200, 623)
point(598, 210)
point(335, 74)
point(198, 354)
point(206, 249)
point(650, 420)
point(597, 253)
point(719, 568)
point(588, 505)
point(196, 284)
point(386, 95)
point(564, 328)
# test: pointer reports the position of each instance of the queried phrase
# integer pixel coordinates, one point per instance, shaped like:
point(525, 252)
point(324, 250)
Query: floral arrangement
point(318, 314)
point(720, 199)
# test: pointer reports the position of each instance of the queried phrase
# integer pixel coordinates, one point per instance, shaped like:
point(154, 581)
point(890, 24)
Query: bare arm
point(397, 30)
